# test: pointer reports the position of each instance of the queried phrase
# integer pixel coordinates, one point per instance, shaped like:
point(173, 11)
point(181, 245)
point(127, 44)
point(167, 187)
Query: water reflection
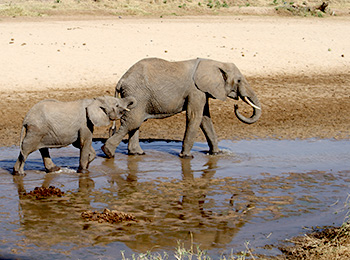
point(217, 228)
point(168, 210)
point(52, 221)
point(171, 209)
point(215, 199)
point(120, 184)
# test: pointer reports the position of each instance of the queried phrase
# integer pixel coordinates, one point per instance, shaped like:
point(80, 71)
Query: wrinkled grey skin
point(54, 124)
point(163, 89)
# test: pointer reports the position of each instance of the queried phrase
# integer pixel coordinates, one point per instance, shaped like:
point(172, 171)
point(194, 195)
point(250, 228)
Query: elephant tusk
point(112, 129)
point(246, 99)
point(127, 109)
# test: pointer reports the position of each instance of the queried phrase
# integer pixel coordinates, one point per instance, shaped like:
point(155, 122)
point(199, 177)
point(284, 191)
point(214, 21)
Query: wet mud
point(260, 191)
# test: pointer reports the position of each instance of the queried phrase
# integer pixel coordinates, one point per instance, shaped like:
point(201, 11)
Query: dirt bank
point(293, 107)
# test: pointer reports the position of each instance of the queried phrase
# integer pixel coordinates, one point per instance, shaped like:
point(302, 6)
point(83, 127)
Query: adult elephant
point(164, 88)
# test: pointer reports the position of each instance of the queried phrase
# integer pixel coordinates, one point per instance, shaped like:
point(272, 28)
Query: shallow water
point(261, 191)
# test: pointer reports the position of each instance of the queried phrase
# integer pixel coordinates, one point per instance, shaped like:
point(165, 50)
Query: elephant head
point(104, 109)
point(221, 80)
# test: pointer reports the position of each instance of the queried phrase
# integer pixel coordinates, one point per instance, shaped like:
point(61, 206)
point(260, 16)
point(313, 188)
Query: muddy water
point(261, 191)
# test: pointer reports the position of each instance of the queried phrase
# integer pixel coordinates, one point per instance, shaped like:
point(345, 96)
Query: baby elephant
point(54, 124)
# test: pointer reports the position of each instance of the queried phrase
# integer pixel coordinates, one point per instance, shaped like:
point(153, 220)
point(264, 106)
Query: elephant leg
point(29, 144)
point(92, 154)
point(209, 131)
point(128, 123)
point(91, 157)
point(112, 143)
point(48, 163)
point(87, 152)
point(190, 136)
point(194, 115)
point(85, 158)
point(134, 147)
point(18, 168)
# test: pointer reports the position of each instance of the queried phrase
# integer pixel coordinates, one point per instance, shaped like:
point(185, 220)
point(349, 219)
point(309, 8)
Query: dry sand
point(299, 67)
point(43, 53)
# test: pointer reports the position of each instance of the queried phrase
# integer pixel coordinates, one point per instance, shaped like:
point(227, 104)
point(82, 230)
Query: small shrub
point(210, 4)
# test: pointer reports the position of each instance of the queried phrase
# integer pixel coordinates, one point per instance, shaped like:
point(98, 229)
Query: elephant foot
point(186, 156)
point(81, 170)
point(215, 153)
point(136, 153)
point(107, 152)
point(53, 169)
point(18, 173)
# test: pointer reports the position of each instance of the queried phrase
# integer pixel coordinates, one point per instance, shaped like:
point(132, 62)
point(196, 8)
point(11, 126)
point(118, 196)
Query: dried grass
point(329, 243)
point(32, 8)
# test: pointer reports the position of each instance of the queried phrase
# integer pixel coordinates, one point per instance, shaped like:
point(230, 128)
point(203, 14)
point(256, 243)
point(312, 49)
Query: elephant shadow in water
point(168, 210)
point(66, 157)
point(170, 146)
point(35, 163)
point(177, 210)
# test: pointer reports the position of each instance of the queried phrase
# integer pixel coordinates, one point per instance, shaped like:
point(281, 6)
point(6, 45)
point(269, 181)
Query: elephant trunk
point(248, 96)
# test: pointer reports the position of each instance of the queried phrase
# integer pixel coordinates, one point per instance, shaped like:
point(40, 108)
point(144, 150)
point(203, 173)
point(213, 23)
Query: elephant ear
point(211, 78)
point(97, 114)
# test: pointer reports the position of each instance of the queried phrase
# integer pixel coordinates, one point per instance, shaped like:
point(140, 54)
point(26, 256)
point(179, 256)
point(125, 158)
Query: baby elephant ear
point(211, 79)
point(97, 114)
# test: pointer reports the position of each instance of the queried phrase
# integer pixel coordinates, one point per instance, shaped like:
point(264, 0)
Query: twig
point(250, 252)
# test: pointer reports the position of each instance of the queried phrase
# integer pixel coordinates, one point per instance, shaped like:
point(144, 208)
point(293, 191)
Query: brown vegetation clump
point(330, 243)
point(107, 216)
point(41, 192)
